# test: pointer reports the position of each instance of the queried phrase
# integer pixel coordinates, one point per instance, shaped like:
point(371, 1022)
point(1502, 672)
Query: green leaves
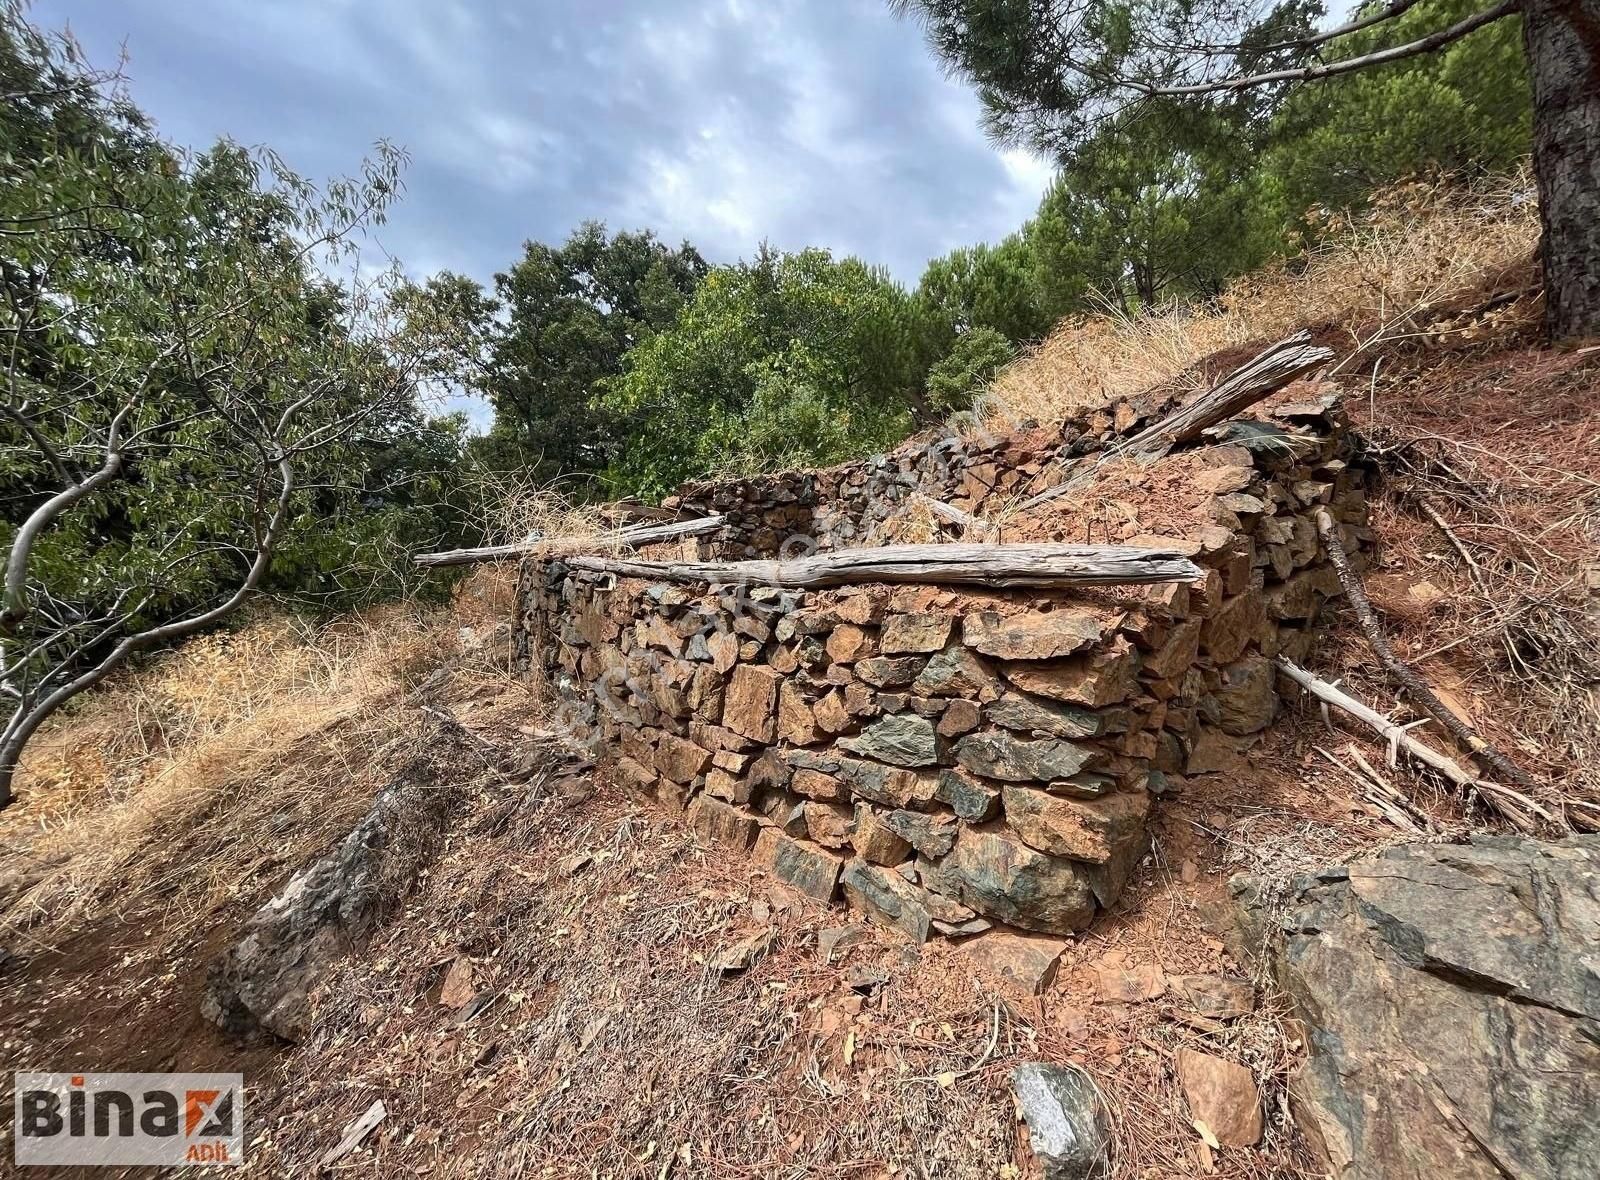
point(792, 358)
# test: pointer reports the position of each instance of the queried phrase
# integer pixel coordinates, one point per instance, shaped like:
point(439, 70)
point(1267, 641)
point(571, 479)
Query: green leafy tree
point(190, 409)
point(559, 324)
point(1051, 73)
point(1464, 108)
point(790, 358)
point(984, 287)
point(1152, 209)
point(973, 360)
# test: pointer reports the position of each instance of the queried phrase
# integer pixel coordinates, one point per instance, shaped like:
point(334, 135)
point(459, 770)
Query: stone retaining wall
point(951, 760)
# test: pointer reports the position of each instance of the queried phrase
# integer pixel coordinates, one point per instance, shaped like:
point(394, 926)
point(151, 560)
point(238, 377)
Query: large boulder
point(1452, 998)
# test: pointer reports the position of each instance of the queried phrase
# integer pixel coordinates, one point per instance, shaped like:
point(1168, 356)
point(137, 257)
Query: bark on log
point(997, 566)
point(1522, 811)
point(1264, 374)
point(1415, 686)
point(632, 537)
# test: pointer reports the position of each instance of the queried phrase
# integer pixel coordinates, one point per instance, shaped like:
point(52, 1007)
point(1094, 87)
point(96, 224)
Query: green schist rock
point(956, 672)
point(995, 873)
point(930, 835)
point(890, 671)
point(1043, 718)
point(1014, 759)
point(969, 798)
point(887, 898)
point(901, 739)
point(1033, 635)
point(800, 863)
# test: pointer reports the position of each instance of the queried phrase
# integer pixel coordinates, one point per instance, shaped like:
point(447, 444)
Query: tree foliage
point(789, 358)
point(192, 409)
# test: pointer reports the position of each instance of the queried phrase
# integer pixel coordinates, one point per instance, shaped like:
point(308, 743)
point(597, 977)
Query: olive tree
point(181, 374)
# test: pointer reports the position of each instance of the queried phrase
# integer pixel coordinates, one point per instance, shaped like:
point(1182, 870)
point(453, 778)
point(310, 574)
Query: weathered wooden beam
point(631, 537)
point(996, 566)
point(1264, 374)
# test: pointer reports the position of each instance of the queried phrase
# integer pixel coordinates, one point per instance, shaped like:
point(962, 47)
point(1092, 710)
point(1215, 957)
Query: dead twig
point(1416, 688)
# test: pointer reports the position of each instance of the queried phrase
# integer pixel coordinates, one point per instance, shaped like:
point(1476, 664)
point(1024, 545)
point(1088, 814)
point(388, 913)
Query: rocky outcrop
point(1452, 1000)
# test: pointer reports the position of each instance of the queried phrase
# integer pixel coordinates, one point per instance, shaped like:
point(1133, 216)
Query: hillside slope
point(557, 996)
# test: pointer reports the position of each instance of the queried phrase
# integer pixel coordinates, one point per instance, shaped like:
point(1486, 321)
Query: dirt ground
point(549, 1004)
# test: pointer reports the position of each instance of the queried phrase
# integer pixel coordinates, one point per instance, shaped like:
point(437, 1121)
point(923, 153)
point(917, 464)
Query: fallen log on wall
point(1264, 374)
point(996, 566)
point(632, 536)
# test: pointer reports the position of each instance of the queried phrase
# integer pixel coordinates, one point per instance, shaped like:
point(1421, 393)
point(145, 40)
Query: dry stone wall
point(948, 760)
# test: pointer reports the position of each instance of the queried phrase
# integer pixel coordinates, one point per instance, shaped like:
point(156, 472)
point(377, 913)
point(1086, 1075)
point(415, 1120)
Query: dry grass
point(1378, 277)
point(200, 776)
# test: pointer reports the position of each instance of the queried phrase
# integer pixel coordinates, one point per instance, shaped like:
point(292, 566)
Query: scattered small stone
point(1068, 1131)
point(1222, 1094)
point(1027, 960)
point(458, 990)
point(1130, 985)
point(1219, 997)
point(745, 952)
point(835, 941)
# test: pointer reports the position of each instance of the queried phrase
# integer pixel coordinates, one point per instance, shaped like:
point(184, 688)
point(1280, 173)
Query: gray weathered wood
point(1522, 811)
point(975, 565)
point(632, 537)
point(1264, 374)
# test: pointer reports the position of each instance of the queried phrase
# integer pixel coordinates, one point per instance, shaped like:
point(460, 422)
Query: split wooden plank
point(1264, 374)
point(998, 566)
point(632, 537)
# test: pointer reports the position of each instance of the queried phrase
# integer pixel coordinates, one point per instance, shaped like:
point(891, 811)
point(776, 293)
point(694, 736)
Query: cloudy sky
point(805, 122)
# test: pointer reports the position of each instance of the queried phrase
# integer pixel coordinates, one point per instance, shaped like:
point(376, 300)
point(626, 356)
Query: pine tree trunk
point(1562, 38)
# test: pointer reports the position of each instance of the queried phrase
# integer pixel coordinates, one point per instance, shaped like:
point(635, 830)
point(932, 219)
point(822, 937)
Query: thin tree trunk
point(1562, 39)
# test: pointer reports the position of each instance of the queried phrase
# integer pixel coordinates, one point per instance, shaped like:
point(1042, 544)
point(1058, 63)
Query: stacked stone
point(858, 503)
point(950, 761)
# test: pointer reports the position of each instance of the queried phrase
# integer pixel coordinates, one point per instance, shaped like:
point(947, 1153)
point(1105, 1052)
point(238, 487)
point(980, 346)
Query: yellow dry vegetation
point(230, 759)
point(1375, 278)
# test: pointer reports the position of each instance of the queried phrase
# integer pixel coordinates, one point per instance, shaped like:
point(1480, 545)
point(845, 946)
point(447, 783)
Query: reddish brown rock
point(1239, 620)
point(829, 824)
point(1179, 652)
point(724, 648)
point(875, 841)
point(796, 722)
point(750, 702)
point(679, 759)
point(914, 634)
point(849, 643)
point(1094, 830)
point(1222, 1095)
point(1029, 961)
point(719, 823)
point(1095, 679)
point(813, 871)
point(830, 713)
point(813, 784)
point(959, 717)
point(1033, 635)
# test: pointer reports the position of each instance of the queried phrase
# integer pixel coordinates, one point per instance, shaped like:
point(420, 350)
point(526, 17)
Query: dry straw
point(1373, 275)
